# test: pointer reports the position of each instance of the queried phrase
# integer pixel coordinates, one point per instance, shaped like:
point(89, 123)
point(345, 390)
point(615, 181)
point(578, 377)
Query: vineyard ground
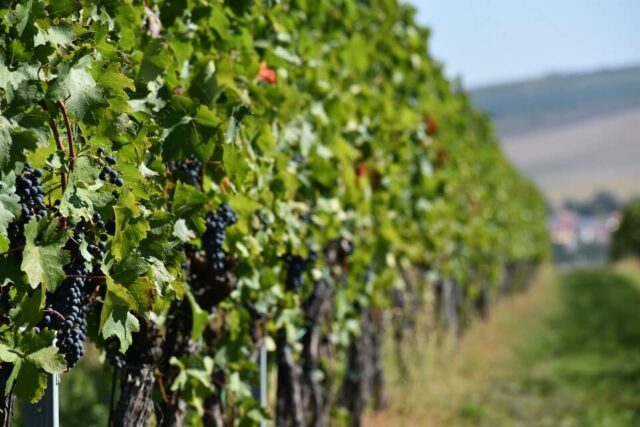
point(564, 353)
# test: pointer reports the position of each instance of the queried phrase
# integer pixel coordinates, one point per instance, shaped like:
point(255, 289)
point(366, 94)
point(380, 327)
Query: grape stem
point(16, 249)
point(59, 144)
point(55, 313)
point(160, 381)
point(67, 123)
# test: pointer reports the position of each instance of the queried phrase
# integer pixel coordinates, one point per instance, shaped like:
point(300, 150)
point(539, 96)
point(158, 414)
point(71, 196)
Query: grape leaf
point(11, 81)
point(79, 203)
point(13, 141)
point(182, 232)
point(43, 257)
point(117, 321)
point(9, 206)
point(31, 354)
point(131, 227)
point(27, 309)
point(199, 317)
point(77, 87)
point(190, 130)
point(30, 384)
point(187, 201)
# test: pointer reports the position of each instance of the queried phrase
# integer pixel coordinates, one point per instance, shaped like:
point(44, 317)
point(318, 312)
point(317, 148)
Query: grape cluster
point(191, 166)
point(108, 174)
point(66, 312)
point(113, 354)
point(344, 248)
point(97, 244)
point(66, 308)
point(213, 237)
point(296, 266)
point(29, 188)
point(31, 193)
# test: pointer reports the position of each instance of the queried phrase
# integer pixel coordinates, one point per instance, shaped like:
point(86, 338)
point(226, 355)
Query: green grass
point(582, 368)
point(566, 353)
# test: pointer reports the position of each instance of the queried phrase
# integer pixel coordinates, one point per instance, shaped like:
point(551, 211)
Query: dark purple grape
point(213, 238)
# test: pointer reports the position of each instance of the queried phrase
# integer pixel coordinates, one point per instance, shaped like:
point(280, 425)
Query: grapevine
point(164, 167)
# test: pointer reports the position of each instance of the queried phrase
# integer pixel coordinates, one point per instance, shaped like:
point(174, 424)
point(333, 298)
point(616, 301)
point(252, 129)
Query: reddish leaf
point(266, 74)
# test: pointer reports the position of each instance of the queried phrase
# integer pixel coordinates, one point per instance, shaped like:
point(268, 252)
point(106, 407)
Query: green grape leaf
point(31, 354)
point(115, 319)
point(182, 232)
point(79, 202)
point(4, 246)
point(13, 141)
point(187, 200)
point(58, 36)
point(62, 8)
point(25, 16)
point(9, 206)
point(30, 384)
point(130, 268)
point(12, 80)
point(112, 79)
point(199, 317)
point(131, 227)
point(77, 87)
point(44, 256)
point(119, 323)
point(27, 309)
point(190, 130)
point(49, 359)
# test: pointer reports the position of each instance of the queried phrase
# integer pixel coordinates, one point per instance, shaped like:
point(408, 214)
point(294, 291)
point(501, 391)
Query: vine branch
point(67, 123)
point(59, 144)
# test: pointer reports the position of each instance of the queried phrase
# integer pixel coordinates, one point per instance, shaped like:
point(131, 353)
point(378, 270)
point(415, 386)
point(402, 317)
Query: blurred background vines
point(185, 182)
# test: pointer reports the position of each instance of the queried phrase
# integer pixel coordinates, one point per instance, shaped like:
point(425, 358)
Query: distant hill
point(558, 99)
point(574, 134)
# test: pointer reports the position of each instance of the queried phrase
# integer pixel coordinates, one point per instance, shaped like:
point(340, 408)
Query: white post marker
point(263, 380)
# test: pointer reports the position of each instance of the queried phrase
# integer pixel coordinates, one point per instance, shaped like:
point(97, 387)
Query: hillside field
point(574, 134)
point(582, 157)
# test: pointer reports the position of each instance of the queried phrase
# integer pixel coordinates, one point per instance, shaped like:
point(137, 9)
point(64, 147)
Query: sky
point(494, 41)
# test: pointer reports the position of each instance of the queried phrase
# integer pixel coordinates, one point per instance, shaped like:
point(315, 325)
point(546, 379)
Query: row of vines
point(184, 182)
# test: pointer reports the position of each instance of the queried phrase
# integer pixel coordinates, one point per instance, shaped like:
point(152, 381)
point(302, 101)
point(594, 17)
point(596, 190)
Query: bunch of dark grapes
point(191, 166)
point(67, 307)
point(340, 250)
point(29, 188)
point(66, 312)
point(97, 239)
point(296, 266)
point(213, 237)
point(112, 353)
point(31, 193)
point(108, 174)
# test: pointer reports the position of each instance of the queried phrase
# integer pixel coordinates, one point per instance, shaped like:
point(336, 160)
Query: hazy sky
point(487, 41)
